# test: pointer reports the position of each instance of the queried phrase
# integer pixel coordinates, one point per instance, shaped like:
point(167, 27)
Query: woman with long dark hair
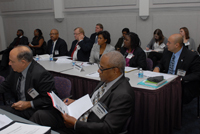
point(134, 54)
point(37, 42)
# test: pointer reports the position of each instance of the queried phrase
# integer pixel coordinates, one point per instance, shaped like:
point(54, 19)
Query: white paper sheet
point(152, 74)
point(44, 57)
point(85, 64)
point(75, 109)
point(128, 69)
point(63, 60)
point(4, 120)
point(147, 51)
point(21, 128)
point(93, 74)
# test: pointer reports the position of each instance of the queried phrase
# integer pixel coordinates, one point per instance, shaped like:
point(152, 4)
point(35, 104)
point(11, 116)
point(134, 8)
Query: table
point(20, 119)
point(157, 111)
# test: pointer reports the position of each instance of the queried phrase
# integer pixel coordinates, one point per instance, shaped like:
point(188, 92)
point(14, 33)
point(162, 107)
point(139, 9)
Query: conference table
point(19, 119)
point(157, 110)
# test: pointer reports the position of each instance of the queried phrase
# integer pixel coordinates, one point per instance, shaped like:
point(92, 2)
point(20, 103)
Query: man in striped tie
point(178, 60)
point(115, 95)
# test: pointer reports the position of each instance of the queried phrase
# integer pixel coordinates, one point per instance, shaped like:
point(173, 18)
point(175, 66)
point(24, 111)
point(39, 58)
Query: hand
point(69, 121)
point(156, 69)
point(69, 101)
point(80, 37)
point(29, 45)
point(21, 105)
point(147, 48)
point(118, 49)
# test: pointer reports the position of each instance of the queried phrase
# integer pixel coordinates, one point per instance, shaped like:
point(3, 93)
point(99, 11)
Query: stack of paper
point(8, 126)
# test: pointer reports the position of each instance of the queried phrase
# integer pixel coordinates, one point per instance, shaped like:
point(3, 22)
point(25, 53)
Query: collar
point(24, 72)
point(177, 54)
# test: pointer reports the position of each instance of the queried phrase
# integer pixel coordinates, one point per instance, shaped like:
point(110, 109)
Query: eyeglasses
point(53, 33)
point(104, 68)
point(76, 33)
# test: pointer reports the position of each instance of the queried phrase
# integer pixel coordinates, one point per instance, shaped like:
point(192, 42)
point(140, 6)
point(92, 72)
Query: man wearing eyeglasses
point(113, 94)
point(81, 46)
point(56, 45)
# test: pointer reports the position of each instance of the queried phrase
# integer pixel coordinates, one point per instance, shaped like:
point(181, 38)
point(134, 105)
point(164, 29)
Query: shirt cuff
point(32, 105)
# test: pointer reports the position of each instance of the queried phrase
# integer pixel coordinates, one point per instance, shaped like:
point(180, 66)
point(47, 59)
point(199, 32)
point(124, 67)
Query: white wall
point(168, 15)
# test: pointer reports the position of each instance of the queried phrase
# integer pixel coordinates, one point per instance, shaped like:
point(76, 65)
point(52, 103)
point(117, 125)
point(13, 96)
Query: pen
point(67, 98)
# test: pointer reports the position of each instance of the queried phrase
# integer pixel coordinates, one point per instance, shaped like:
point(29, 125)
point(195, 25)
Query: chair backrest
point(63, 86)
point(149, 64)
point(2, 98)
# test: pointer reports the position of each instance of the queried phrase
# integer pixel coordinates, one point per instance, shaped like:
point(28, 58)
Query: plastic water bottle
point(51, 57)
point(37, 57)
point(140, 73)
point(73, 62)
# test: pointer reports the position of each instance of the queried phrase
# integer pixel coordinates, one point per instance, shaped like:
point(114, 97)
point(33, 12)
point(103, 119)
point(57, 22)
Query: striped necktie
point(96, 98)
point(171, 65)
point(19, 86)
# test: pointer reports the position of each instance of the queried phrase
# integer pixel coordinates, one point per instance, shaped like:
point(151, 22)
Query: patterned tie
point(19, 86)
point(74, 50)
point(52, 47)
point(96, 39)
point(171, 65)
point(97, 97)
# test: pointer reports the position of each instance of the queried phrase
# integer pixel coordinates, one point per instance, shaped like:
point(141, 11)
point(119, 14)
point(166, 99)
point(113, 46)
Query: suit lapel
point(28, 83)
point(180, 60)
point(113, 87)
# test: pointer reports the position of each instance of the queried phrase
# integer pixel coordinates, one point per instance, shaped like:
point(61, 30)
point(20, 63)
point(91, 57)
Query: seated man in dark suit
point(56, 45)
point(180, 61)
point(94, 36)
point(19, 40)
point(81, 46)
point(28, 82)
point(113, 92)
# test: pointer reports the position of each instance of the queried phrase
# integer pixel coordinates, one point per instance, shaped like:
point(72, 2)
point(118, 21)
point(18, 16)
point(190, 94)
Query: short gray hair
point(116, 59)
point(25, 53)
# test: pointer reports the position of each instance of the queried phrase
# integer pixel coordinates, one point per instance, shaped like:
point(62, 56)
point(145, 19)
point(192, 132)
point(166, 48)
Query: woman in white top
point(101, 48)
point(157, 44)
point(188, 42)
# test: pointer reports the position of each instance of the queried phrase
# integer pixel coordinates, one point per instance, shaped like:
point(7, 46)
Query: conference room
point(157, 110)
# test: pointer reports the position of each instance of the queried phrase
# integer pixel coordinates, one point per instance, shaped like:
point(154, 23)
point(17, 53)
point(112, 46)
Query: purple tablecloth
point(156, 111)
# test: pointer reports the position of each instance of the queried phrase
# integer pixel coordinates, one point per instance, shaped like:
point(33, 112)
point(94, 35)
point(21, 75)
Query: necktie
point(52, 47)
point(94, 101)
point(96, 39)
point(19, 86)
point(171, 65)
point(74, 51)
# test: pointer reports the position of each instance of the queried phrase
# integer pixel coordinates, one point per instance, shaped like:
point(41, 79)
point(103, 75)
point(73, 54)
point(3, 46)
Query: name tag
point(99, 110)
point(187, 43)
point(33, 93)
point(130, 55)
point(56, 52)
point(77, 67)
point(181, 72)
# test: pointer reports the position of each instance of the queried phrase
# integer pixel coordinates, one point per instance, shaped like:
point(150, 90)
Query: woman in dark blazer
point(134, 54)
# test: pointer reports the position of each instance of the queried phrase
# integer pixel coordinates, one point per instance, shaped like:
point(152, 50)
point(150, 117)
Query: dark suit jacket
point(139, 58)
point(23, 41)
point(92, 37)
point(38, 78)
point(119, 43)
point(5, 56)
point(188, 61)
point(61, 47)
point(119, 100)
point(86, 46)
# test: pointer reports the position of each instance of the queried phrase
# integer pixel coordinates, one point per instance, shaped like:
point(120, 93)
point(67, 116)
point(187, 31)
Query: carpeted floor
point(190, 122)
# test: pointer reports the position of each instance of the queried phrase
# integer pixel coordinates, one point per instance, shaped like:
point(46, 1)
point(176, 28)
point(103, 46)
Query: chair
point(149, 64)
point(63, 86)
point(2, 97)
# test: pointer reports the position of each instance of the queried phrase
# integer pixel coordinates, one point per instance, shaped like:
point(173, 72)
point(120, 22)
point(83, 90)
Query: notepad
point(129, 69)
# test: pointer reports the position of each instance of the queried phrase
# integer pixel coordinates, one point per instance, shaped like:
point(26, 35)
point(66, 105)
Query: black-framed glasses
point(104, 68)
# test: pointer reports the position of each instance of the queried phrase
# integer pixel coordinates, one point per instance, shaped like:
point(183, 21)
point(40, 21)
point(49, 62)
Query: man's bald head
point(23, 52)
point(175, 43)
